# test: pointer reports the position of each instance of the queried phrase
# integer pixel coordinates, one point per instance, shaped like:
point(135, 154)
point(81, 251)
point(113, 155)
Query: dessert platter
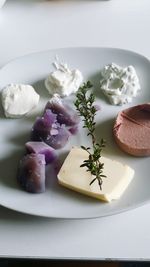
point(75, 132)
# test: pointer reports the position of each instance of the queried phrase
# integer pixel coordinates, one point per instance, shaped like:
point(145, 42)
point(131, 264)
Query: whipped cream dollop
point(18, 100)
point(119, 84)
point(63, 81)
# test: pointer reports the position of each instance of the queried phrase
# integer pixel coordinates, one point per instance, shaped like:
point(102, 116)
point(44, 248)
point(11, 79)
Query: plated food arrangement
point(68, 122)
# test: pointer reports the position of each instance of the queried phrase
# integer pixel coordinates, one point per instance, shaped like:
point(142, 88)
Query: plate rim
point(111, 213)
point(74, 47)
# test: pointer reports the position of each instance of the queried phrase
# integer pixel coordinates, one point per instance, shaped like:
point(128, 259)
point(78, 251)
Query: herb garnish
point(85, 106)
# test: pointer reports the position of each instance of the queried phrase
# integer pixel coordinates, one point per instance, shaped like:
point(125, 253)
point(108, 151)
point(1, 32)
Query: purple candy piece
point(42, 126)
point(48, 130)
point(60, 139)
point(31, 174)
point(40, 130)
point(49, 117)
point(65, 114)
point(42, 148)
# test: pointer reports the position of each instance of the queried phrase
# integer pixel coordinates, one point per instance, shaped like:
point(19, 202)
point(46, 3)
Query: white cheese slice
point(18, 100)
point(74, 177)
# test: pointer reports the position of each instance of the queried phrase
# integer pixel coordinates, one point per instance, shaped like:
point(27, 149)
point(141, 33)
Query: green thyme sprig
point(85, 106)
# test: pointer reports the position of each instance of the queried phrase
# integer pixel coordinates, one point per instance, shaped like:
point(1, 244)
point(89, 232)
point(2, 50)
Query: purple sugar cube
point(42, 148)
point(59, 139)
point(31, 173)
point(48, 130)
point(65, 114)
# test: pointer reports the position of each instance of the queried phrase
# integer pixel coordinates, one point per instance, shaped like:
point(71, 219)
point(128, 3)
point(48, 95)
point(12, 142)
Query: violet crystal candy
point(48, 130)
point(60, 139)
point(42, 148)
point(42, 126)
point(58, 122)
point(31, 173)
point(65, 114)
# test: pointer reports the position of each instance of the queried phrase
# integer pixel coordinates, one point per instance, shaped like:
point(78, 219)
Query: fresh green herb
point(85, 106)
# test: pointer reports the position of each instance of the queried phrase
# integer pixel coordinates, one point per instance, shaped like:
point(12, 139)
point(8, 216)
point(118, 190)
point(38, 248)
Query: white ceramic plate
point(58, 202)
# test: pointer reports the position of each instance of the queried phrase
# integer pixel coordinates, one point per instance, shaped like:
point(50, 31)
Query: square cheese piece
point(77, 178)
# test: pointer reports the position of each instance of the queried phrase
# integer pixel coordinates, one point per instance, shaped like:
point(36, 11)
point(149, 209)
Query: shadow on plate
point(20, 139)
point(9, 167)
point(104, 130)
point(2, 116)
point(95, 80)
point(41, 89)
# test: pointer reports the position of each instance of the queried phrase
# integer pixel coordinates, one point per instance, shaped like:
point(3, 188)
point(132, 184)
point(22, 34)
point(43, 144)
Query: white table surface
point(34, 25)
